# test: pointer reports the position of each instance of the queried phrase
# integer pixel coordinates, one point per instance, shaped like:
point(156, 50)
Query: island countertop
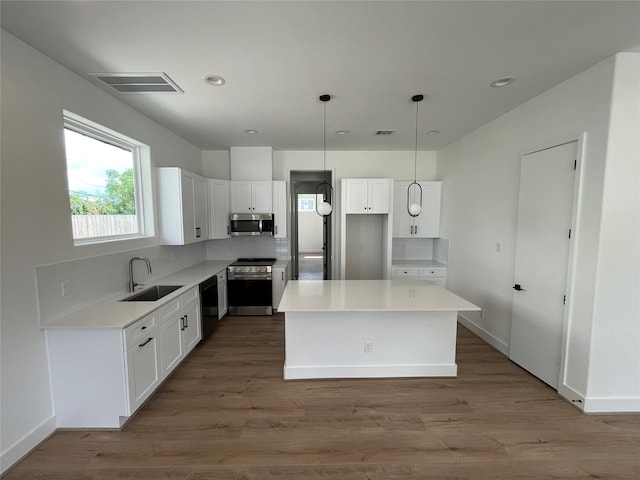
point(370, 295)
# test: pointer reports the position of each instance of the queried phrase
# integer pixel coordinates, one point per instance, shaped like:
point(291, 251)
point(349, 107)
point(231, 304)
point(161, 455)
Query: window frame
point(139, 151)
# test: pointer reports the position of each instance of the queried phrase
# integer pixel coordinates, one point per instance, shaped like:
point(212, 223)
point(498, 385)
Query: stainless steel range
point(249, 286)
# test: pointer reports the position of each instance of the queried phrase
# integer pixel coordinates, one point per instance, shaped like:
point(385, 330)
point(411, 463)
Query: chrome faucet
point(132, 284)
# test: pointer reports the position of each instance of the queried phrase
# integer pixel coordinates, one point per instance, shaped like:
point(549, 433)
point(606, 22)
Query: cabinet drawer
point(138, 330)
point(406, 273)
point(433, 272)
point(169, 310)
point(189, 296)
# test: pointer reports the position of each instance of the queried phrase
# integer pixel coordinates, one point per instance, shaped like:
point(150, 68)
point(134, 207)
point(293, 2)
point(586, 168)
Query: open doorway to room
point(311, 245)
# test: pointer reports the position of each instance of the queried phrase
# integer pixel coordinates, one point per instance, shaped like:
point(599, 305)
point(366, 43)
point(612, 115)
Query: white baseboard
point(612, 405)
point(370, 371)
point(31, 440)
point(495, 342)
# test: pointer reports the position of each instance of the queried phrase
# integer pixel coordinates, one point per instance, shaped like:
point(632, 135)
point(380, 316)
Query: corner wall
point(480, 202)
point(36, 224)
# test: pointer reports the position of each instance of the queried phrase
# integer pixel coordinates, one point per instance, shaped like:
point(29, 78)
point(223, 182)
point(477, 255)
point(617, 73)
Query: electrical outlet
point(66, 288)
point(368, 346)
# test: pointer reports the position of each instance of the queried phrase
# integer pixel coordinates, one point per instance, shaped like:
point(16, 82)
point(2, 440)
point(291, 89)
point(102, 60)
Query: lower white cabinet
point(101, 376)
point(280, 276)
point(435, 274)
point(144, 372)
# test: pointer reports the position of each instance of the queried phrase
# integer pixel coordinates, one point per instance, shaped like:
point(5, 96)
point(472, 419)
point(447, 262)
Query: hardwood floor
point(226, 413)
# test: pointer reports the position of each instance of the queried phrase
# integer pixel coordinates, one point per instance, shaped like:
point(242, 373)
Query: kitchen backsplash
point(239, 247)
point(421, 249)
point(95, 279)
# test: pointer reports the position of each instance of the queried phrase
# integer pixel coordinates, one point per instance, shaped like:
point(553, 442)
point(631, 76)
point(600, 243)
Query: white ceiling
point(278, 57)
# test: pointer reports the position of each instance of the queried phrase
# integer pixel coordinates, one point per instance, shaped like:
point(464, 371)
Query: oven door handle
point(248, 276)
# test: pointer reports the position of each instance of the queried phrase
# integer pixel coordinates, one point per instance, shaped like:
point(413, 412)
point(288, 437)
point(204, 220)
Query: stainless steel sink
point(152, 294)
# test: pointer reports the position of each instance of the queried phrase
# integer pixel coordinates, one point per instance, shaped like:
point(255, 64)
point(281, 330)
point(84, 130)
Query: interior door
point(542, 251)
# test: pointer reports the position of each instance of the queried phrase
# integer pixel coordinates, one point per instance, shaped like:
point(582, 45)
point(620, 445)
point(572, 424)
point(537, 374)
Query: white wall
point(481, 176)
point(356, 164)
point(614, 366)
point(36, 224)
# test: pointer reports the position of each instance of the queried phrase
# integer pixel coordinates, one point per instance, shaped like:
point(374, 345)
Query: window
point(306, 203)
point(104, 178)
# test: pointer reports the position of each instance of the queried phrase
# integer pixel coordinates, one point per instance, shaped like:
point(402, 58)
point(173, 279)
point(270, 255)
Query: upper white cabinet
point(367, 195)
point(251, 197)
point(425, 225)
point(183, 204)
point(280, 209)
point(218, 208)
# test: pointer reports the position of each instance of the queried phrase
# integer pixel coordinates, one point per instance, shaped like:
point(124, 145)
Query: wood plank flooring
point(226, 413)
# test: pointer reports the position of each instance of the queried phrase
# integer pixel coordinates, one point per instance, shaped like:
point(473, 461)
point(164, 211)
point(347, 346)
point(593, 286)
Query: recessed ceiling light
point(433, 132)
point(215, 80)
point(502, 82)
point(342, 132)
point(251, 132)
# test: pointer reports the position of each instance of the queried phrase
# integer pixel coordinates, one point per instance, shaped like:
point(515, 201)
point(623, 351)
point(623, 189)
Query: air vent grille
point(385, 132)
point(138, 82)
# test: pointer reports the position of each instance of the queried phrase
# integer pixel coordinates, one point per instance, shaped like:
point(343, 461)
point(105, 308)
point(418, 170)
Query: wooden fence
point(90, 226)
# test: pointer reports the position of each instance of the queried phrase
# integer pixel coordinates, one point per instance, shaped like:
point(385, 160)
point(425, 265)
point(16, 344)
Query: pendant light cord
point(324, 140)
point(415, 155)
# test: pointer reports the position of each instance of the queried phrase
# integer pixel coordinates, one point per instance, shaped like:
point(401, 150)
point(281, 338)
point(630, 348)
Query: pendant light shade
point(324, 208)
point(414, 190)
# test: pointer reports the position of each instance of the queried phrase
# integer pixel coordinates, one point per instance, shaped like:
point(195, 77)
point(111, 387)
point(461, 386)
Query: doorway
point(311, 233)
point(547, 183)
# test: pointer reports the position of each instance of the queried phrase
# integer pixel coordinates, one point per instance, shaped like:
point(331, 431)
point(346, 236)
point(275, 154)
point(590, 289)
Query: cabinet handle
point(182, 325)
point(415, 230)
point(143, 344)
point(276, 229)
point(228, 230)
point(186, 321)
point(144, 328)
point(283, 276)
point(198, 232)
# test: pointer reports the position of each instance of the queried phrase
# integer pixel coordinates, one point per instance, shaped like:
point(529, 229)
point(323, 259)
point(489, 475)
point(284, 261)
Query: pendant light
point(324, 208)
point(415, 208)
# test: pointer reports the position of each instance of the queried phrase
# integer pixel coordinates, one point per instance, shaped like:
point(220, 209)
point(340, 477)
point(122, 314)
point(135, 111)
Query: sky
point(89, 159)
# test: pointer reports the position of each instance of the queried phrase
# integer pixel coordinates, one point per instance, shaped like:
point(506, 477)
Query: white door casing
point(542, 258)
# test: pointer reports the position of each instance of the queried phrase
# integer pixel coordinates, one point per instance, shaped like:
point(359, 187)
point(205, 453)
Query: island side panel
point(402, 344)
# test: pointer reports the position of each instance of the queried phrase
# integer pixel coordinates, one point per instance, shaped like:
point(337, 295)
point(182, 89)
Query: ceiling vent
point(385, 132)
point(138, 82)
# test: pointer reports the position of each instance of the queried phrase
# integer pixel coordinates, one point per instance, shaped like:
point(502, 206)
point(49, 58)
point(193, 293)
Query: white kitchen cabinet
point(101, 376)
point(280, 277)
point(218, 208)
point(223, 306)
point(435, 274)
point(183, 206)
point(251, 197)
point(180, 328)
point(425, 225)
point(280, 208)
point(144, 372)
point(367, 195)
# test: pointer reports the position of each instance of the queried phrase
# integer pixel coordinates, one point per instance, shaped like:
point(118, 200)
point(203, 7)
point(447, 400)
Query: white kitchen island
point(370, 328)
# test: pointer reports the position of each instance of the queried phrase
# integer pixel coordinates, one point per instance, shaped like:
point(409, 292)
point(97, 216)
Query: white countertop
point(369, 295)
point(416, 263)
point(112, 313)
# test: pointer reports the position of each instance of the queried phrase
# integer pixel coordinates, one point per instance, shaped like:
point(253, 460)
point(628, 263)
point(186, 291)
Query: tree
point(119, 198)
point(120, 192)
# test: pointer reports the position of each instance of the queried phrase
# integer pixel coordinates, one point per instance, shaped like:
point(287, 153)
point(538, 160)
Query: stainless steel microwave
point(242, 224)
